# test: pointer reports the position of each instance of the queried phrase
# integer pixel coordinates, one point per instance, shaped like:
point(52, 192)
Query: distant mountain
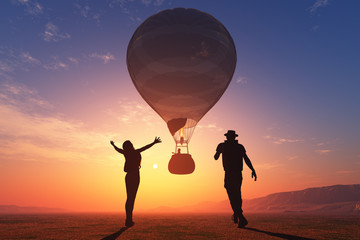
point(338, 199)
point(13, 209)
point(330, 199)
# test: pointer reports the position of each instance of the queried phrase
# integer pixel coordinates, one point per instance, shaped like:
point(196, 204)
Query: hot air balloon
point(181, 61)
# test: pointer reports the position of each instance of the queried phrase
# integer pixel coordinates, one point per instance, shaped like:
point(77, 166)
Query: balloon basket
point(181, 164)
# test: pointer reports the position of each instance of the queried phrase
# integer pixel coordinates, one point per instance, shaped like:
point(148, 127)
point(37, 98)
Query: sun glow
point(155, 166)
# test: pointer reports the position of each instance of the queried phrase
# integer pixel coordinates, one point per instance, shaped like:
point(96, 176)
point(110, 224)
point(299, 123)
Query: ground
point(177, 226)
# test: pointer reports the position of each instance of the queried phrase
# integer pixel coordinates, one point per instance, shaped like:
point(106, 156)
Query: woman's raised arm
point(157, 140)
point(116, 148)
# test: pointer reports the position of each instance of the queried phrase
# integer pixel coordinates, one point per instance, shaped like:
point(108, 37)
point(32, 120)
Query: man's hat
point(231, 133)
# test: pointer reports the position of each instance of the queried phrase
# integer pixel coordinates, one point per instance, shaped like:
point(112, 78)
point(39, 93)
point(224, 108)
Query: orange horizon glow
point(60, 163)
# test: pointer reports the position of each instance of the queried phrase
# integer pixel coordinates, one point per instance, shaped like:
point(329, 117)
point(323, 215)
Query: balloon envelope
point(181, 61)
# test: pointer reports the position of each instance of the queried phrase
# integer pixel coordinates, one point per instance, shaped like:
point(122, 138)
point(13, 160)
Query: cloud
point(241, 80)
point(134, 113)
point(278, 140)
point(210, 126)
point(123, 4)
point(73, 60)
point(317, 4)
point(56, 64)
point(146, 2)
point(31, 7)
point(106, 58)
point(13, 89)
point(31, 133)
point(85, 12)
point(135, 19)
point(29, 59)
point(155, 2)
point(267, 165)
point(52, 33)
point(24, 99)
point(4, 67)
point(324, 151)
point(126, 5)
point(293, 158)
point(12, 60)
point(158, 2)
point(286, 140)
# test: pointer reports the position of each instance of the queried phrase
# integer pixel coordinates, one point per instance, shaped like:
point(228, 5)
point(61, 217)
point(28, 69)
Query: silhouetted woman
point(132, 179)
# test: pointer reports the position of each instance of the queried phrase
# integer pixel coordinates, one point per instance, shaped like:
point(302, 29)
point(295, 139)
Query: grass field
point(178, 226)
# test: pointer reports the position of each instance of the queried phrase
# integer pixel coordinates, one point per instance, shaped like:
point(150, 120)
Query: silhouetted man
point(233, 154)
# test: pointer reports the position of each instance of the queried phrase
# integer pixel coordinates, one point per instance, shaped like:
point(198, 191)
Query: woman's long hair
point(128, 146)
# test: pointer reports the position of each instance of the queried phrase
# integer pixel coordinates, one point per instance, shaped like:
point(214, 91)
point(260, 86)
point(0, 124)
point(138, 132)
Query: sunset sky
point(65, 92)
